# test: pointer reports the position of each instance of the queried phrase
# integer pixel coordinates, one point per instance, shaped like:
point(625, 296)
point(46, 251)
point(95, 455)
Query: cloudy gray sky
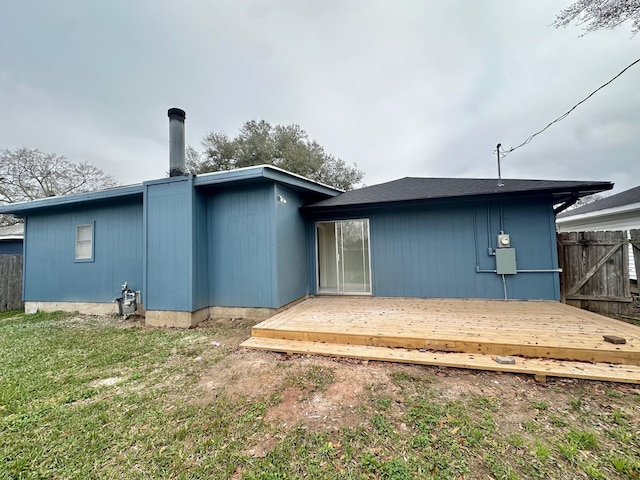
point(403, 88)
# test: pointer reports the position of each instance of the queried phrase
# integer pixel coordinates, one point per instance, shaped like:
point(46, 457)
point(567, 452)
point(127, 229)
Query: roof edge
point(265, 171)
point(116, 192)
point(587, 188)
point(603, 212)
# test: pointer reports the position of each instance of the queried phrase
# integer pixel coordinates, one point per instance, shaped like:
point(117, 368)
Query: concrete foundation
point(86, 308)
point(167, 318)
point(242, 312)
point(161, 318)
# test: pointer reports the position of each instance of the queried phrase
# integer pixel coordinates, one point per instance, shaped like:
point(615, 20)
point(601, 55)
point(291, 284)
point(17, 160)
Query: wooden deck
point(548, 338)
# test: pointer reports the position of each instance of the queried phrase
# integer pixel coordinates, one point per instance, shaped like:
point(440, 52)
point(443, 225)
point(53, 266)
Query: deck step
point(535, 366)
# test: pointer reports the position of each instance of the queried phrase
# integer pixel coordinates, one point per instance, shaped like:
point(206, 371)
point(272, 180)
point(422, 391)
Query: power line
point(566, 114)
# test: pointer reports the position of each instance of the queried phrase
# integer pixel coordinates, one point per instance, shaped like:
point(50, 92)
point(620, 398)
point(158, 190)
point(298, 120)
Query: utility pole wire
point(565, 115)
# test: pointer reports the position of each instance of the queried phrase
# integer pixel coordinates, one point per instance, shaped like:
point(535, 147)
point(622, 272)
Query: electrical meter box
point(504, 240)
point(506, 261)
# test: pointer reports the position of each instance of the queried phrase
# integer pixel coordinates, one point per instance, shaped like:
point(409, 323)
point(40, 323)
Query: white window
point(84, 242)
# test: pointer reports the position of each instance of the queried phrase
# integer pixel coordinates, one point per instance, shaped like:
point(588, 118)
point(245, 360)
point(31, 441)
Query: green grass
point(83, 397)
point(312, 379)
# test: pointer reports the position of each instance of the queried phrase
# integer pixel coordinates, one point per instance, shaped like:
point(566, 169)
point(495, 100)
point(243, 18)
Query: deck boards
point(533, 366)
point(548, 330)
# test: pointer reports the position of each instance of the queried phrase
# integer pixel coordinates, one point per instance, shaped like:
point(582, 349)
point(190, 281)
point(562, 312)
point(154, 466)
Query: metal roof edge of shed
point(605, 212)
point(126, 191)
point(265, 171)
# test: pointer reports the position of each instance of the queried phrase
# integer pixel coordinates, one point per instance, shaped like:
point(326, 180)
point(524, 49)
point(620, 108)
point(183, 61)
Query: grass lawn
point(95, 397)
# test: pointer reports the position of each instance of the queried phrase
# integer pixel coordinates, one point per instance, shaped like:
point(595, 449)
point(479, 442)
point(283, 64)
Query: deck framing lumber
point(533, 366)
point(542, 330)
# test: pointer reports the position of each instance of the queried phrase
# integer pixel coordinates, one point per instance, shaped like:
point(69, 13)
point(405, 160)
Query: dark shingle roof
point(411, 189)
point(618, 200)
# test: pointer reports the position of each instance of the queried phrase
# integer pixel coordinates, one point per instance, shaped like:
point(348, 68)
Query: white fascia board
point(600, 213)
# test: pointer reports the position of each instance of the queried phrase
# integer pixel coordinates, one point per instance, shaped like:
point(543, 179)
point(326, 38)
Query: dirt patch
point(243, 372)
point(339, 405)
point(325, 394)
point(252, 374)
point(264, 446)
point(228, 331)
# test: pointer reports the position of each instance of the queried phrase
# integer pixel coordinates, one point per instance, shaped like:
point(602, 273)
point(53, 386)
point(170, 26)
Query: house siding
point(169, 245)
point(201, 257)
point(291, 251)
point(435, 251)
point(52, 274)
point(241, 246)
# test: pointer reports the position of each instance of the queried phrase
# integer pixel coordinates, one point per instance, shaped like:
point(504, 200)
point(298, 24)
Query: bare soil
point(253, 373)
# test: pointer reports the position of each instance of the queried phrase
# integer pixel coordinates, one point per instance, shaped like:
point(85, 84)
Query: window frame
point(91, 258)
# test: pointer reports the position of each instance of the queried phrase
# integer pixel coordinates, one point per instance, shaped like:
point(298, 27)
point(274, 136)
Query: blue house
point(250, 241)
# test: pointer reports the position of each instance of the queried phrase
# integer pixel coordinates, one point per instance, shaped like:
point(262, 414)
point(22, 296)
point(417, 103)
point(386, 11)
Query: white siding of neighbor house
point(605, 220)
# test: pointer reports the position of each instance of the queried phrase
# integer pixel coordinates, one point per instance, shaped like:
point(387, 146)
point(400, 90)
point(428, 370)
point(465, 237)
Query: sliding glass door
point(343, 257)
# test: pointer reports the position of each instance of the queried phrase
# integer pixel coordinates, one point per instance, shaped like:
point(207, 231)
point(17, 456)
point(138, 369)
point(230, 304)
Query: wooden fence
point(11, 283)
point(595, 271)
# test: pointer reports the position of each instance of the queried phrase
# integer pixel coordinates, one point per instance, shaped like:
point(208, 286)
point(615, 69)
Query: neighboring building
point(11, 239)
point(617, 212)
point(249, 241)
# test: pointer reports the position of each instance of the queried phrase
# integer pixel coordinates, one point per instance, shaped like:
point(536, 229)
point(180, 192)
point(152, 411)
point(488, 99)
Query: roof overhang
point(24, 208)
point(264, 172)
point(553, 195)
point(228, 177)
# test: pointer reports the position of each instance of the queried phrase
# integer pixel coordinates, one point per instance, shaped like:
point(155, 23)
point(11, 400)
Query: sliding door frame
point(339, 254)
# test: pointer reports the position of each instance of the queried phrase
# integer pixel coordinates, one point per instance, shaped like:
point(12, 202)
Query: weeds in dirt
point(83, 397)
point(315, 378)
point(542, 406)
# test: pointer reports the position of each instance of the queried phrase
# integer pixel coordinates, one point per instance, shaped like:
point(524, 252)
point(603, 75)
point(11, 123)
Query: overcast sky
point(402, 88)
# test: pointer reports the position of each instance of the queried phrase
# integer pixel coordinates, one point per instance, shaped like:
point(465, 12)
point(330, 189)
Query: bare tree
point(28, 174)
point(600, 14)
point(587, 200)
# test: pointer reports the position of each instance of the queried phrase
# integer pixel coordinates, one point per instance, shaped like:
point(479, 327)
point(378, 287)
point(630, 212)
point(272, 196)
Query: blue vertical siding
point(424, 252)
point(201, 253)
point(241, 246)
point(435, 251)
point(169, 245)
point(536, 248)
point(51, 272)
point(291, 248)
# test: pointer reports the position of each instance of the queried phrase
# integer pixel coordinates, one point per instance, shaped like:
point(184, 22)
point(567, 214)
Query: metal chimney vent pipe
point(177, 165)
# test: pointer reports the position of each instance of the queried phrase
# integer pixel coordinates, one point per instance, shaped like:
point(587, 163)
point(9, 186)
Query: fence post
point(635, 241)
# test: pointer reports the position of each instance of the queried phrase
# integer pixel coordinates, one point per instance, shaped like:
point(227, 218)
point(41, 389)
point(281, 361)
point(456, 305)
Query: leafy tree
point(283, 146)
point(28, 174)
point(600, 14)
